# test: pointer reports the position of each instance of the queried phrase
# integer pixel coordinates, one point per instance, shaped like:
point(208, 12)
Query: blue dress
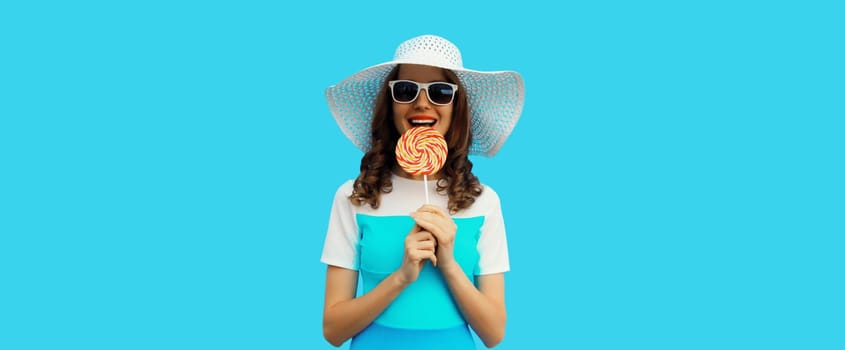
point(424, 315)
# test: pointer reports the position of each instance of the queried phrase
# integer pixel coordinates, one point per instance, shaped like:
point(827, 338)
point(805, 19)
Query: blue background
point(675, 182)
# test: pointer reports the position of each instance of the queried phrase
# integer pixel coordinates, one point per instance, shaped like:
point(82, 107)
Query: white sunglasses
point(407, 91)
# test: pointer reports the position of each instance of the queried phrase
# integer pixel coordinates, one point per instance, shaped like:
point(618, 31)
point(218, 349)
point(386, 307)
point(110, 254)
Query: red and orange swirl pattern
point(421, 151)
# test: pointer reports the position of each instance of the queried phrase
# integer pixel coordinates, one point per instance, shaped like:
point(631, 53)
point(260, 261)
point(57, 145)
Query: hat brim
point(495, 99)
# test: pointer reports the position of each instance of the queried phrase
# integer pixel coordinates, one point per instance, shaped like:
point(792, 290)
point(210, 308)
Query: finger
point(423, 236)
point(428, 254)
point(420, 216)
point(428, 220)
point(430, 239)
point(415, 229)
point(420, 250)
point(426, 245)
point(418, 255)
point(433, 218)
point(428, 236)
point(430, 225)
point(431, 208)
point(428, 208)
point(424, 213)
point(417, 234)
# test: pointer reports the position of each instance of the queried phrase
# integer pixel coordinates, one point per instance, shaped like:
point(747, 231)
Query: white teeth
point(422, 122)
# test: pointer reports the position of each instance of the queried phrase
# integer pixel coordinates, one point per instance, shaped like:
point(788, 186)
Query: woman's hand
point(433, 219)
point(419, 246)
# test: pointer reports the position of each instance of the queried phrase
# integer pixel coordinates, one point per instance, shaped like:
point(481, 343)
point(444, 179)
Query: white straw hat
point(495, 98)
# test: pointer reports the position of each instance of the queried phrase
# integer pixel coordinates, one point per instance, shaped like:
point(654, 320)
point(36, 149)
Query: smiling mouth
point(423, 121)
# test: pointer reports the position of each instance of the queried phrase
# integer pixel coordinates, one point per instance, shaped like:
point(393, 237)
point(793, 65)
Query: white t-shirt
point(371, 241)
point(342, 239)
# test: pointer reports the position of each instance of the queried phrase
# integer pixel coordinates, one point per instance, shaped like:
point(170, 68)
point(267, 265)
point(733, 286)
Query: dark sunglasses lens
point(441, 93)
point(404, 91)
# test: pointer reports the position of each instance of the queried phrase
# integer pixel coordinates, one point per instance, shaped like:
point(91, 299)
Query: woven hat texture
point(495, 98)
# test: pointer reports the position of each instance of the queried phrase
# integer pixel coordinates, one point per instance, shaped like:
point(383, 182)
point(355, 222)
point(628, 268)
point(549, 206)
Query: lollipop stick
point(425, 183)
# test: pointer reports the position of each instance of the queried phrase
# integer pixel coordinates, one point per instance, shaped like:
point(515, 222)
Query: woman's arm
point(483, 308)
point(344, 315)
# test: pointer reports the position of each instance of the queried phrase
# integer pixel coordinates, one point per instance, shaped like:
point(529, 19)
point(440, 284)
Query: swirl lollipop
point(421, 151)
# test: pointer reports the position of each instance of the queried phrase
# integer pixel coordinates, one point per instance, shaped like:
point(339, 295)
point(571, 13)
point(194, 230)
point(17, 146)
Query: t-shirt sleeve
point(341, 245)
point(493, 244)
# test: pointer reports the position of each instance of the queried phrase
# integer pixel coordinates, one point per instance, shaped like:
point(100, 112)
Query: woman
point(430, 270)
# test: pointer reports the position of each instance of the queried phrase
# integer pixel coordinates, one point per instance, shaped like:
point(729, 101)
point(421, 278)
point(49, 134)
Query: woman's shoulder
point(488, 194)
point(486, 203)
point(345, 189)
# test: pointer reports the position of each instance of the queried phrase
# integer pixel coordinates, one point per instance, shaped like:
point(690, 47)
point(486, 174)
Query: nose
point(422, 100)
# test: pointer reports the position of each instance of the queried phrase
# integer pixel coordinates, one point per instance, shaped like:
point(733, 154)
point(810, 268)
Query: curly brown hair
point(458, 180)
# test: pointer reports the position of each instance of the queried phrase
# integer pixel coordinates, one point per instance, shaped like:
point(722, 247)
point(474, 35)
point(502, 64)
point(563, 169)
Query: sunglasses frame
point(420, 87)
